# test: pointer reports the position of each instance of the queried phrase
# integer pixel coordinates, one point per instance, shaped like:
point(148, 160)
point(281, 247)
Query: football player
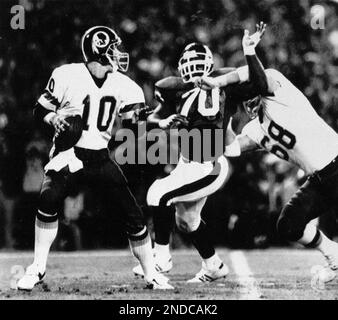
point(96, 92)
point(185, 105)
point(284, 123)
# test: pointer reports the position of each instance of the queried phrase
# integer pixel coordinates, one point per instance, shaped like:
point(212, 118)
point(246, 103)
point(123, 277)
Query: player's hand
point(172, 120)
point(249, 43)
point(206, 83)
point(59, 123)
point(142, 114)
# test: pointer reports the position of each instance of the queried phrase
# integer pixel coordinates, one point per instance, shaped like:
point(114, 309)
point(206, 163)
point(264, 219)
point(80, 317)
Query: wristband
point(249, 51)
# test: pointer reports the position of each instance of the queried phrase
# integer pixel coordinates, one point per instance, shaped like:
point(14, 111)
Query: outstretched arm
point(160, 118)
point(252, 77)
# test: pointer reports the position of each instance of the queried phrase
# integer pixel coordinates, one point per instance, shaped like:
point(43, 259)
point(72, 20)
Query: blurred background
point(301, 41)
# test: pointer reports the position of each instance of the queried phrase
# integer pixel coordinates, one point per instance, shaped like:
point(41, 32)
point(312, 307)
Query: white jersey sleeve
point(53, 95)
point(253, 130)
point(132, 99)
point(281, 88)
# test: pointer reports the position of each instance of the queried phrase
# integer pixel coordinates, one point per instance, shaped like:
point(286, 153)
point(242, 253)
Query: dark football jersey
point(203, 108)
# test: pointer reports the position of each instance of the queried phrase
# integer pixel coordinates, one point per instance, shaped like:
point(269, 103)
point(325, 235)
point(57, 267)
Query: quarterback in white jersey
point(285, 124)
point(72, 90)
point(81, 101)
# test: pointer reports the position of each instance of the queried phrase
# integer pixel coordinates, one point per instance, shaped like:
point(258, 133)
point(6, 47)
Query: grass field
point(256, 274)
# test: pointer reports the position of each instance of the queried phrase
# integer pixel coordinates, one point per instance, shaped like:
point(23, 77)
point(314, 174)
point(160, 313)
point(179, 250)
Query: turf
point(276, 273)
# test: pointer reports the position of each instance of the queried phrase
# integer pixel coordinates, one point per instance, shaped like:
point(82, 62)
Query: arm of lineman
point(248, 140)
point(161, 118)
point(254, 71)
point(241, 143)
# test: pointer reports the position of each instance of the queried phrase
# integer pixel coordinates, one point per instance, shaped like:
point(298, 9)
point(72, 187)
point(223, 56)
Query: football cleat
point(161, 266)
point(31, 278)
point(331, 256)
point(206, 275)
point(158, 282)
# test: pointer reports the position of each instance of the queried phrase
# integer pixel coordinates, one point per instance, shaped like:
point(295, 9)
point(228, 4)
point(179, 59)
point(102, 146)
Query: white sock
point(325, 245)
point(140, 245)
point(213, 262)
point(313, 234)
point(309, 234)
point(162, 251)
point(45, 234)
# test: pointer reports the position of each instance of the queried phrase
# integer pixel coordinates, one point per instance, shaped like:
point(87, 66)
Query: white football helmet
point(196, 61)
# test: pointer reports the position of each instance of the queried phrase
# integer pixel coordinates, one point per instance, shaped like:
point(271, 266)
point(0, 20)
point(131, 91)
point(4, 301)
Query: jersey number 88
point(283, 137)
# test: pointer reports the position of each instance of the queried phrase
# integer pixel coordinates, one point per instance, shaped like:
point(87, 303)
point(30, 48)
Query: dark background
point(154, 33)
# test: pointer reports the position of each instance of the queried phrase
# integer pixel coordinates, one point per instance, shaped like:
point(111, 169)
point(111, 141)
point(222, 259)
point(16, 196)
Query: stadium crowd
point(154, 33)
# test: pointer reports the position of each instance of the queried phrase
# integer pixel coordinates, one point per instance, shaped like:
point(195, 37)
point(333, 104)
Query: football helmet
point(100, 44)
point(196, 61)
point(252, 106)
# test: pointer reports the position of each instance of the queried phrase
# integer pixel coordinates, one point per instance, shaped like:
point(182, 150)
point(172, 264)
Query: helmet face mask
point(100, 44)
point(196, 61)
point(121, 59)
point(252, 106)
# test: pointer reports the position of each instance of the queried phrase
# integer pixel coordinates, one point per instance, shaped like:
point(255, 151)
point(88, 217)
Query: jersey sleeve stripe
point(132, 107)
point(49, 101)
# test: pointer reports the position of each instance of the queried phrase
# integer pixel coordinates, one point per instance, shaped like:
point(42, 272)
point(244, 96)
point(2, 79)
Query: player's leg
point(52, 194)
point(294, 223)
point(188, 220)
point(136, 229)
point(163, 222)
point(186, 186)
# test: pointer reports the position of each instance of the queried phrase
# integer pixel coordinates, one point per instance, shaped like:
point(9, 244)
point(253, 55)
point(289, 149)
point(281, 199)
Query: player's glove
point(249, 43)
point(206, 83)
point(142, 114)
point(172, 121)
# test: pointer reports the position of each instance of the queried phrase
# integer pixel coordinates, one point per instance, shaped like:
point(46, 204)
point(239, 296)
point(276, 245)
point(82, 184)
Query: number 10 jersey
point(71, 90)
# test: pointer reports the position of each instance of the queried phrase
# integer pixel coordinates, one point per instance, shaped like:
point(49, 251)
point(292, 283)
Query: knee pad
point(188, 222)
point(49, 202)
point(133, 230)
point(290, 229)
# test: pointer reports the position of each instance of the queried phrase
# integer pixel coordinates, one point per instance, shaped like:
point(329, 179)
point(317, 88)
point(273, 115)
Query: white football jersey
point(71, 90)
point(289, 127)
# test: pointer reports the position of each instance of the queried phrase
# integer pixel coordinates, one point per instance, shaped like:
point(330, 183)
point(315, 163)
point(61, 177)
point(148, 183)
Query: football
point(68, 138)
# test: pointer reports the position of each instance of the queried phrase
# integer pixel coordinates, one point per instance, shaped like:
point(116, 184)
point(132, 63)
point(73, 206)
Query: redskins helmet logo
point(100, 40)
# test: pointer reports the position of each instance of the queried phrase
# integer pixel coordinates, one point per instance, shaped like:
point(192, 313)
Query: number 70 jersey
point(289, 127)
point(71, 90)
